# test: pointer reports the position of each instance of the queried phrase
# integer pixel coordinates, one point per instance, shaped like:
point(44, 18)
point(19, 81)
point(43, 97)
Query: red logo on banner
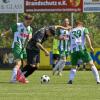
point(53, 5)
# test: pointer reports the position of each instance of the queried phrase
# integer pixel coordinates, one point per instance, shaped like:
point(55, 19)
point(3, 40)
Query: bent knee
point(91, 63)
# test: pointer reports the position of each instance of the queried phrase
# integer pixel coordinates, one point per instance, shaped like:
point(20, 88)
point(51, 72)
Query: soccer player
point(55, 52)
point(63, 37)
point(16, 70)
point(80, 63)
point(34, 46)
point(22, 34)
point(79, 51)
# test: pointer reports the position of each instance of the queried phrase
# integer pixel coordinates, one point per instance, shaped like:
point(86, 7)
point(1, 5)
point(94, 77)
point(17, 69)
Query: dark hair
point(28, 17)
point(52, 30)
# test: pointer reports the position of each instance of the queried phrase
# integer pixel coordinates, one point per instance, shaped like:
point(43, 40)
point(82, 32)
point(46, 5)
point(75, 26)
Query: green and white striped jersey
point(21, 34)
point(77, 38)
point(63, 44)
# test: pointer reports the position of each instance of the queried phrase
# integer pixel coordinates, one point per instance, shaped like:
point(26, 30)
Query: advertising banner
point(91, 6)
point(11, 6)
point(53, 5)
point(95, 56)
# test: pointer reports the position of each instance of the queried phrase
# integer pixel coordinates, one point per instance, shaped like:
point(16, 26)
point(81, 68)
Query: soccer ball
point(45, 79)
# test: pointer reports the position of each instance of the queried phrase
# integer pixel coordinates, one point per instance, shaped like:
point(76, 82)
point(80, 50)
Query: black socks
point(28, 70)
point(53, 66)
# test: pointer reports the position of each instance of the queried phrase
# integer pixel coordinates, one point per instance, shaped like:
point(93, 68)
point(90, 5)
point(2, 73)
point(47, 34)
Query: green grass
point(83, 88)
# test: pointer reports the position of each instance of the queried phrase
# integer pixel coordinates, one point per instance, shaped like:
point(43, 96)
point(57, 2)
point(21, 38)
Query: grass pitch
point(83, 88)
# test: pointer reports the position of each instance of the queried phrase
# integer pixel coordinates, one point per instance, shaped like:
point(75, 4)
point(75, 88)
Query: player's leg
point(81, 64)
point(95, 71)
point(74, 61)
point(84, 66)
point(13, 77)
point(64, 62)
point(23, 56)
point(87, 58)
point(35, 62)
point(20, 77)
point(72, 75)
point(55, 58)
point(59, 63)
point(31, 63)
point(61, 66)
point(56, 67)
point(16, 52)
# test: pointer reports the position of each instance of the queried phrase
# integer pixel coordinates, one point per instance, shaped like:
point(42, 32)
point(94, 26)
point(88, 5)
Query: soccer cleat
point(98, 82)
point(70, 82)
point(13, 81)
point(20, 77)
point(54, 72)
point(23, 80)
point(18, 74)
point(59, 73)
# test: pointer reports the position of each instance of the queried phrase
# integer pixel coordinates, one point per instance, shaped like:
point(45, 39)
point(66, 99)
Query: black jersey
point(40, 36)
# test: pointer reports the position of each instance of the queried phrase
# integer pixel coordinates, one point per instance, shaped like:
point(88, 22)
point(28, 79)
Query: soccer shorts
point(33, 57)
point(56, 57)
point(64, 53)
point(19, 53)
point(82, 54)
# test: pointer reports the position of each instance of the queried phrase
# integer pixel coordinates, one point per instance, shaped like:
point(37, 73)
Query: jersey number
point(76, 34)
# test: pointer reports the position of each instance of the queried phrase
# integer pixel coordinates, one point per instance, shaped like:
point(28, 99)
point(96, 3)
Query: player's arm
point(30, 35)
point(6, 33)
point(59, 26)
point(88, 39)
point(89, 42)
point(58, 36)
point(39, 45)
point(12, 29)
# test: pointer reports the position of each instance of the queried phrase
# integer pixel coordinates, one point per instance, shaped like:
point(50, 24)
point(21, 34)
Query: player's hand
point(46, 53)
point(62, 38)
point(2, 34)
point(92, 49)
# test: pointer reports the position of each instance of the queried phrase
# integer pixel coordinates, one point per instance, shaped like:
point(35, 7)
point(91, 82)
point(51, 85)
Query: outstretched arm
point(89, 42)
point(6, 33)
point(59, 26)
point(39, 45)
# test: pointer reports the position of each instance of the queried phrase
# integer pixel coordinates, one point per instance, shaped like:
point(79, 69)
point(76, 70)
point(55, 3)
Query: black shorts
point(33, 57)
point(56, 56)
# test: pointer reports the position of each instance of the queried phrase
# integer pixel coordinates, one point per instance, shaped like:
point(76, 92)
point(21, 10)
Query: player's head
point(50, 31)
point(79, 23)
point(18, 62)
point(65, 22)
point(28, 19)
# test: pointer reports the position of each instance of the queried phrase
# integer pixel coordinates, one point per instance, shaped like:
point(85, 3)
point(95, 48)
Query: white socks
point(14, 73)
point(72, 74)
point(95, 72)
point(59, 66)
